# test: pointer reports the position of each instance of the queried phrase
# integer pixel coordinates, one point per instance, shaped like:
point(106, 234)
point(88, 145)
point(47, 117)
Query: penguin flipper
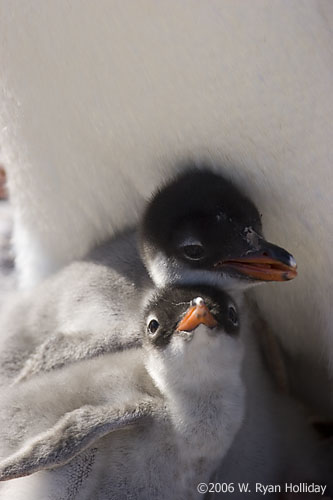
point(62, 350)
point(73, 433)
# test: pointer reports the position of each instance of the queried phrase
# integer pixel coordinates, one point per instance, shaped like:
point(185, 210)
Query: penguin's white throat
point(194, 361)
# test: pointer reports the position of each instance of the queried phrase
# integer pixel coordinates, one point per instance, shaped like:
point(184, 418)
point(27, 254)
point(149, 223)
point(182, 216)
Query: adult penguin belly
point(301, 313)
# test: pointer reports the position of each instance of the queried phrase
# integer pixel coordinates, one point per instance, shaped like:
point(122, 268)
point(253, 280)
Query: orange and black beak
point(268, 263)
point(196, 315)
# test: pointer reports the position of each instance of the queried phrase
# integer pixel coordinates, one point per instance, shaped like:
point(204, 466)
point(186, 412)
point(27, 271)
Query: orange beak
point(262, 268)
point(196, 315)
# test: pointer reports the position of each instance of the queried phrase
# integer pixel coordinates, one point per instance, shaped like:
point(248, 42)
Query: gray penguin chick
point(154, 429)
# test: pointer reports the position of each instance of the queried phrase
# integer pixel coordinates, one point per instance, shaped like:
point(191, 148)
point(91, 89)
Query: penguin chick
point(154, 431)
point(197, 228)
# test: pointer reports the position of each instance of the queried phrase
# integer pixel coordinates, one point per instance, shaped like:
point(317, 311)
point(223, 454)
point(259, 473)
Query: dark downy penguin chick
point(201, 228)
point(178, 406)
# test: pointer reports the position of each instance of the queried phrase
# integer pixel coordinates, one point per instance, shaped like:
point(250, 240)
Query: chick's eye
point(153, 326)
point(232, 315)
point(194, 252)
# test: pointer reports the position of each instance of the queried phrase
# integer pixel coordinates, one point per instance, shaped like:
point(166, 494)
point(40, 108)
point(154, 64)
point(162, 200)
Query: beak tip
point(292, 262)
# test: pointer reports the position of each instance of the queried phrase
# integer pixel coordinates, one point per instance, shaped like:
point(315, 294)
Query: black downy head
point(180, 310)
point(201, 228)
